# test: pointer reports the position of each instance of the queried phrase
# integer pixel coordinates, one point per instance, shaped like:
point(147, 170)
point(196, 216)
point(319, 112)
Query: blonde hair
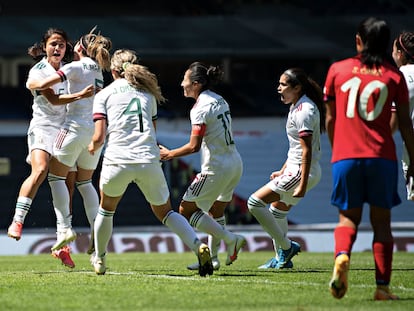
point(98, 48)
point(121, 59)
point(142, 79)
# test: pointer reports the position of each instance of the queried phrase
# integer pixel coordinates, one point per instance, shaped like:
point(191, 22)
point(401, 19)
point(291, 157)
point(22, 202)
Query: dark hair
point(36, 51)
point(375, 35)
point(206, 76)
point(297, 76)
point(405, 43)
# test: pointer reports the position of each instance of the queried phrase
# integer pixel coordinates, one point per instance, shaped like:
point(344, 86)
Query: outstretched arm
point(192, 146)
point(64, 99)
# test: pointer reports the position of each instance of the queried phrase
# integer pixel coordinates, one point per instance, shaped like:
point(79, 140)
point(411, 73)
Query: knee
point(255, 203)
point(39, 174)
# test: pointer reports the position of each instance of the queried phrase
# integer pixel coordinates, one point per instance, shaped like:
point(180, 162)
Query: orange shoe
point(383, 293)
point(339, 281)
point(64, 255)
point(15, 230)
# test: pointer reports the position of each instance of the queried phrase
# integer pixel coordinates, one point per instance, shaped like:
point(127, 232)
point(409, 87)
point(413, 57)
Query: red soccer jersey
point(363, 99)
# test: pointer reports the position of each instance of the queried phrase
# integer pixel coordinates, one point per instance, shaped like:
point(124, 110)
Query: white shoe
point(99, 264)
point(214, 261)
point(64, 238)
point(234, 248)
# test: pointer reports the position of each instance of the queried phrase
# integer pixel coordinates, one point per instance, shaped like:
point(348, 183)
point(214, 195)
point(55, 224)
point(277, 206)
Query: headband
point(403, 47)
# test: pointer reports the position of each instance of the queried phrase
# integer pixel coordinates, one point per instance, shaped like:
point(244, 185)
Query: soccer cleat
point(15, 230)
point(205, 266)
point(64, 238)
point(384, 293)
point(64, 255)
point(99, 264)
point(285, 255)
point(273, 262)
point(234, 248)
point(214, 261)
point(339, 282)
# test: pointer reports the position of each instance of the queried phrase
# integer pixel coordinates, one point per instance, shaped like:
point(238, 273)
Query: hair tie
point(125, 65)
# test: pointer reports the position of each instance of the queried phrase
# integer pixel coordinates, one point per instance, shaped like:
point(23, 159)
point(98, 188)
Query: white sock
point(60, 195)
point(213, 242)
point(23, 205)
point(258, 208)
point(90, 200)
point(180, 226)
point(281, 219)
point(103, 227)
point(207, 224)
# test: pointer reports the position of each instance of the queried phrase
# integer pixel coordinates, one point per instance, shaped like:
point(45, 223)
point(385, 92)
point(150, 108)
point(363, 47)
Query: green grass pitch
point(160, 281)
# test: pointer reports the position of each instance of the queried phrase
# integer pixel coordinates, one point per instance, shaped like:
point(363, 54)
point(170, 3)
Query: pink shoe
point(15, 230)
point(64, 255)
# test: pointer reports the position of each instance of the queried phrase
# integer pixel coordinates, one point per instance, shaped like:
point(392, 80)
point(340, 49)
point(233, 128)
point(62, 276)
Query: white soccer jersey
point(131, 134)
point(44, 113)
point(217, 148)
point(408, 72)
point(81, 74)
point(303, 118)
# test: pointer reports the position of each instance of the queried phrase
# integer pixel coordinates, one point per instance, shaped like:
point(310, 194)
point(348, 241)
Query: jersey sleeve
point(154, 112)
point(36, 72)
point(70, 71)
point(198, 115)
point(305, 120)
point(329, 87)
point(99, 107)
point(402, 97)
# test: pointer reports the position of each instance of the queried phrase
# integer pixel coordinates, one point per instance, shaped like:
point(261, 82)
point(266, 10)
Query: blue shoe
point(272, 264)
point(288, 265)
point(285, 255)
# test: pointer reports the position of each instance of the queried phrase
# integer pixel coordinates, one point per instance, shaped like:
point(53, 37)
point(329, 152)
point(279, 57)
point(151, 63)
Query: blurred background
point(253, 41)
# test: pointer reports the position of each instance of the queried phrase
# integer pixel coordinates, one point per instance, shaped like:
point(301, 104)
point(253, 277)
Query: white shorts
point(206, 188)
point(149, 177)
point(71, 148)
point(41, 138)
point(285, 184)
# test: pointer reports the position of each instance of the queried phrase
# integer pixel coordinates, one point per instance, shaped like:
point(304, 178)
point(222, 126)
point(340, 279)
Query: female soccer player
point(301, 171)
point(221, 165)
point(359, 92)
point(403, 55)
point(125, 114)
point(71, 145)
point(49, 111)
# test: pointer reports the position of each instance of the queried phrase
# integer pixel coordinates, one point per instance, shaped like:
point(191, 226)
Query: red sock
point(383, 252)
point(344, 240)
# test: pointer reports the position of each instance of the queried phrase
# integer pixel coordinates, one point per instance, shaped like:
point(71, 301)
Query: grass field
point(160, 281)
